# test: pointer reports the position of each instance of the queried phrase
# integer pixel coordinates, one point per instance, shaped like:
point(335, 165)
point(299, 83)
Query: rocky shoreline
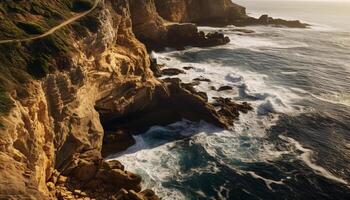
point(80, 94)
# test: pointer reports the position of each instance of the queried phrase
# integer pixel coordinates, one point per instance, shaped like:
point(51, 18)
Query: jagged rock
point(172, 71)
point(111, 164)
point(61, 180)
point(202, 79)
point(50, 186)
point(120, 179)
point(188, 67)
point(229, 110)
point(85, 171)
point(211, 39)
point(224, 88)
point(116, 141)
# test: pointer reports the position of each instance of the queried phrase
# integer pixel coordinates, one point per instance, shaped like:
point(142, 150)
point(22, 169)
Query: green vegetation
point(91, 23)
point(30, 28)
point(45, 50)
point(20, 62)
point(5, 102)
point(39, 66)
point(13, 58)
point(82, 5)
point(9, 30)
point(81, 31)
point(41, 15)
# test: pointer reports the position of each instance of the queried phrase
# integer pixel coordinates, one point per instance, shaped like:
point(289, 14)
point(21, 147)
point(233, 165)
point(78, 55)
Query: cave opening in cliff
point(120, 128)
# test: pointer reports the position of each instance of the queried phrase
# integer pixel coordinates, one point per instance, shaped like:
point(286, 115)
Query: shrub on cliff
point(82, 5)
point(30, 28)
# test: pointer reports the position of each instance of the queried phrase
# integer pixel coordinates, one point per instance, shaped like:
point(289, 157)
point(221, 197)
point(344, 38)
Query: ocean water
point(296, 142)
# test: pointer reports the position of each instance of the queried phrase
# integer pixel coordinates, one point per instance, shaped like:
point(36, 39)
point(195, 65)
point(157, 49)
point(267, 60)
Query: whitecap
point(306, 157)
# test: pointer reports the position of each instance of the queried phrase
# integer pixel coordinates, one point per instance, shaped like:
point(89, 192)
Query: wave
point(306, 157)
point(188, 160)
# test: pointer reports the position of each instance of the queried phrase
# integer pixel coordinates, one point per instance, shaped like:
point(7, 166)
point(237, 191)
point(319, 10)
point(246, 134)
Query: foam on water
point(159, 163)
point(247, 85)
point(158, 155)
point(306, 157)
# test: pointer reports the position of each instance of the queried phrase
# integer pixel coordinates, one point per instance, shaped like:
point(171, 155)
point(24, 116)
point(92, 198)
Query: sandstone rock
point(61, 180)
point(116, 141)
point(85, 171)
point(54, 176)
point(50, 186)
point(120, 179)
point(208, 12)
point(111, 164)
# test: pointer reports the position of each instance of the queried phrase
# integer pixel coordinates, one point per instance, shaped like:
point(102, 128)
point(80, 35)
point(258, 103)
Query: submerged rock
point(172, 71)
point(202, 79)
point(224, 88)
point(188, 67)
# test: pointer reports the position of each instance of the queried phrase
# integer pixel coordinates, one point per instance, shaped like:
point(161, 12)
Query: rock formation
point(54, 125)
point(156, 33)
point(85, 88)
point(215, 13)
point(200, 11)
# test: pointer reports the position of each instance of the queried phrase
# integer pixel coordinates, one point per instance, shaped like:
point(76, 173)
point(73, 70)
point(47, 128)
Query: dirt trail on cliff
point(55, 28)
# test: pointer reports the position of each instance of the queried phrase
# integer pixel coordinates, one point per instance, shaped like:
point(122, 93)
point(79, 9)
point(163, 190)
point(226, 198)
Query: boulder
point(85, 171)
point(116, 141)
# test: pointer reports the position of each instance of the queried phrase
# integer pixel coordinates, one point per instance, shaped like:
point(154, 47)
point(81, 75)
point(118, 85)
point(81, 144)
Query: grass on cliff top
point(82, 5)
point(22, 62)
point(41, 14)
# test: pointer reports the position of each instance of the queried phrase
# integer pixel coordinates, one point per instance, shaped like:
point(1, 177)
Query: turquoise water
point(296, 142)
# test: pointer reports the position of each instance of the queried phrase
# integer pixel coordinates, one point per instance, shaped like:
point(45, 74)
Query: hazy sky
point(299, 0)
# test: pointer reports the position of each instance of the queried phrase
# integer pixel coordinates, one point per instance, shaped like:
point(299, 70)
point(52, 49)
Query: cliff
point(75, 82)
point(49, 89)
point(200, 11)
point(215, 13)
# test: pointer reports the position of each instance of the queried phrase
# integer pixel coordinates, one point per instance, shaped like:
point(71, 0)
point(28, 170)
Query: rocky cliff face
point(56, 126)
point(200, 11)
point(215, 13)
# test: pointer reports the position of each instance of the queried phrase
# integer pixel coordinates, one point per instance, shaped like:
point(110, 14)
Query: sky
point(302, 0)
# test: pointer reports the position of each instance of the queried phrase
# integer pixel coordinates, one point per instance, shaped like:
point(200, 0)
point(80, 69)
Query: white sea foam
point(268, 182)
point(335, 98)
point(246, 84)
point(159, 161)
point(306, 157)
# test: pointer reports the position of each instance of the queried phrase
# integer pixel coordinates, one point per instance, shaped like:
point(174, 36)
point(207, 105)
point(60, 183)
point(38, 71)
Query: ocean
point(296, 142)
